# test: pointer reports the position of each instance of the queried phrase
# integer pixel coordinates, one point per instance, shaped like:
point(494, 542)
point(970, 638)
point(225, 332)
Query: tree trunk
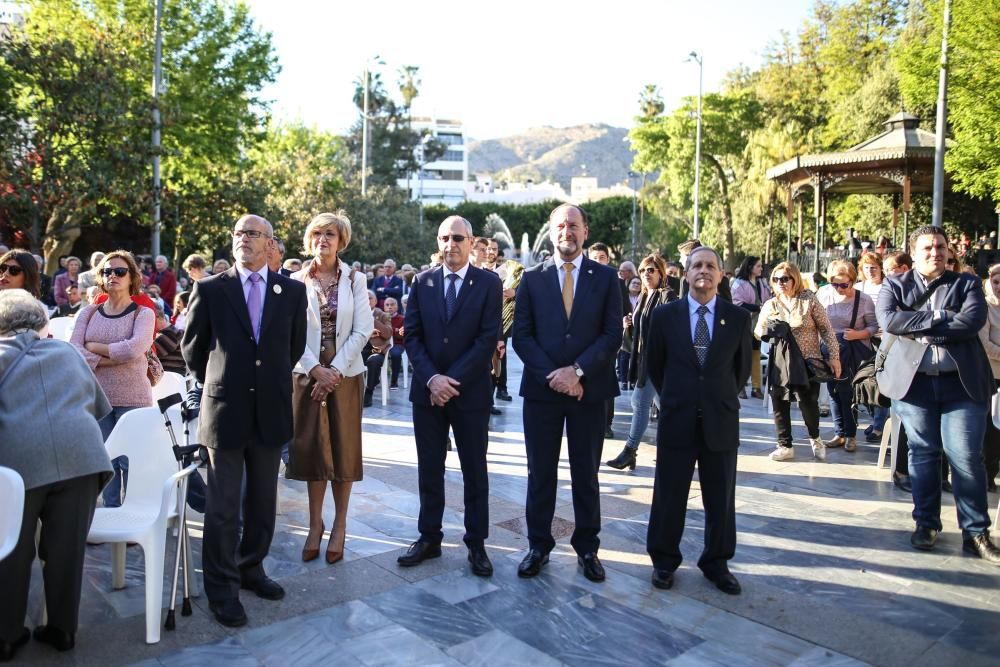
point(61, 232)
point(727, 212)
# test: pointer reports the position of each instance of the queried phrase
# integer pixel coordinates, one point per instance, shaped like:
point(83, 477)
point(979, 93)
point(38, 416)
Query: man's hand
point(577, 391)
point(501, 348)
point(443, 389)
point(563, 379)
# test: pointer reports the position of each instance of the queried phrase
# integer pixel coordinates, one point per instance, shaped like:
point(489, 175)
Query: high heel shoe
point(334, 556)
point(312, 554)
point(624, 460)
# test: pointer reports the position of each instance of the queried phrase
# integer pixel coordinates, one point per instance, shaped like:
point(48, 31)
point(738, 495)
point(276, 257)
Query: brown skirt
point(327, 441)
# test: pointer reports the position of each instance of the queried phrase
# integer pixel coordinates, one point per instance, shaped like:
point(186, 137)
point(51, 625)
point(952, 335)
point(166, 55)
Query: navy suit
point(461, 348)
point(246, 415)
point(545, 339)
point(699, 422)
point(386, 286)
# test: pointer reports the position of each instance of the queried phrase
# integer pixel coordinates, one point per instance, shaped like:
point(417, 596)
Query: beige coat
point(990, 335)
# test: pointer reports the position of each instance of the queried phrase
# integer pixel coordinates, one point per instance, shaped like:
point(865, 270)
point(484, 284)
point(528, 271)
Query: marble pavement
point(828, 575)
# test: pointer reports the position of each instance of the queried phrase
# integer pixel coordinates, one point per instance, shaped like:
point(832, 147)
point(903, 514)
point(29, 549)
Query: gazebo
point(898, 162)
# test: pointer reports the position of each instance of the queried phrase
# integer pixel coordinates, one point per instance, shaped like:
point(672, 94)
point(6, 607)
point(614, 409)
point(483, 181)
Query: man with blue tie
point(699, 359)
point(451, 329)
point(567, 330)
point(246, 329)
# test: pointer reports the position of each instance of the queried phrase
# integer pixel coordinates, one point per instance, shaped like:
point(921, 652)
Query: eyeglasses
point(781, 279)
point(648, 269)
point(119, 271)
point(250, 234)
point(455, 238)
point(12, 269)
point(840, 285)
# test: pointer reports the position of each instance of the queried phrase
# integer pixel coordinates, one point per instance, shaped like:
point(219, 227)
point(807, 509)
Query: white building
point(445, 180)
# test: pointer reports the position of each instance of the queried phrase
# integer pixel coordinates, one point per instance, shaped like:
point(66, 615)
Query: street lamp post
point(157, 84)
point(632, 175)
point(364, 133)
point(695, 56)
point(937, 208)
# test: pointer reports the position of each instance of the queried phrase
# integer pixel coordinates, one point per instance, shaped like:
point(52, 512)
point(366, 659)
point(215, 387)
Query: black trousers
point(227, 556)
point(430, 430)
point(809, 405)
point(717, 477)
point(374, 364)
point(544, 422)
point(66, 510)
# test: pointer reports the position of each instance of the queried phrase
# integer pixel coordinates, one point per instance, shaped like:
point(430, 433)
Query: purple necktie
point(254, 304)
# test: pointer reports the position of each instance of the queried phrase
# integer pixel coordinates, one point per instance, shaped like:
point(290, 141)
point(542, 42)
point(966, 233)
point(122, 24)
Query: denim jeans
point(114, 492)
point(879, 416)
point(939, 415)
point(845, 422)
point(396, 357)
point(642, 398)
point(622, 366)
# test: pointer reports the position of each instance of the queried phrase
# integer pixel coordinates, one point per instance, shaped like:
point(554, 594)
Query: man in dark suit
point(451, 329)
point(567, 331)
point(388, 284)
point(246, 329)
point(699, 359)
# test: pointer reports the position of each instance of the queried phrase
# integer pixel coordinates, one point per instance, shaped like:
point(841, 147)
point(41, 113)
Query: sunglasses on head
point(12, 269)
point(781, 279)
point(841, 285)
point(456, 238)
point(119, 271)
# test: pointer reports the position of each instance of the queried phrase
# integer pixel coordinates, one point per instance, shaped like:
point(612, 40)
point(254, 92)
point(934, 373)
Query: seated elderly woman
point(50, 402)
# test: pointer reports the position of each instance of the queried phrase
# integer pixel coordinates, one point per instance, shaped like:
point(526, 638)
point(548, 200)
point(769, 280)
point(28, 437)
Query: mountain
point(555, 153)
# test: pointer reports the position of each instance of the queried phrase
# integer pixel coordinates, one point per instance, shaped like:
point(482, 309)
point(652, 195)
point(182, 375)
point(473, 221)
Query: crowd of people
point(284, 356)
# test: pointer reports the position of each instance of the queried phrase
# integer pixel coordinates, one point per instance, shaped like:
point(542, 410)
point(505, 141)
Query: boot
point(368, 398)
point(624, 460)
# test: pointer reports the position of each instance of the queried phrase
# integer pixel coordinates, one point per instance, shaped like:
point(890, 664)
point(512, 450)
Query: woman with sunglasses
point(653, 274)
point(113, 336)
point(750, 292)
point(806, 318)
point(852, 314)
point(19, 270)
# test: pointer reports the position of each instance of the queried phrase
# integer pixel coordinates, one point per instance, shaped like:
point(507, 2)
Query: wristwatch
point(578, 370)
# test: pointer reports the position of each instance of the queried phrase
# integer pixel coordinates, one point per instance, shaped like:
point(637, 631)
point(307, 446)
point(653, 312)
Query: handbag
point(154, 369)
point(819, 370)
point(899, 356)
point(995, 409)
point(854, 353)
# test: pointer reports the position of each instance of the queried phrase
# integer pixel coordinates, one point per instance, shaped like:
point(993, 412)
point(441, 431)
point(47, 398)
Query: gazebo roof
point(873, 166)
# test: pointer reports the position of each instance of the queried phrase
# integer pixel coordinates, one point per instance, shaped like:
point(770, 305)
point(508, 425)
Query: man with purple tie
point(246, 329)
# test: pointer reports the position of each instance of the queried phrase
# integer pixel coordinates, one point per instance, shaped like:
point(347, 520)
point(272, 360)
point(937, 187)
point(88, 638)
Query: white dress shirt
point(578, 262)
point(458, 283)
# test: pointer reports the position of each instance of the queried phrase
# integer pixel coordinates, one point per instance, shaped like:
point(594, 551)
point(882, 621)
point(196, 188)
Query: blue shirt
point(693, 307)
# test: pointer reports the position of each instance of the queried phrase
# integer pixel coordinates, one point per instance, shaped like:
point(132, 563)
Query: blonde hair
point(338, 220)
point(793, 271)
point(839, 266)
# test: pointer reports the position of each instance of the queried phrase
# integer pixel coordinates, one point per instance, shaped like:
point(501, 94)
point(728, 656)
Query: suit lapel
point(471, 279)
point(684, 331)
point(344, 296)
point(233, 287)
point(270, 297)
point(584, 285)
point(719, 327)
point(556, 287)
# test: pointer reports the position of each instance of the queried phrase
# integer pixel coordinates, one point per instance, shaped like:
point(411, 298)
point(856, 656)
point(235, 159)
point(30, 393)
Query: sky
point(504, 67)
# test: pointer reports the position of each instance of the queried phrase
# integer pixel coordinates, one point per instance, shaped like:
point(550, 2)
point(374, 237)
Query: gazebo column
point(788, 218)
point(906, 208)
point(818, 197)
point(799, 205)
point(895, 217)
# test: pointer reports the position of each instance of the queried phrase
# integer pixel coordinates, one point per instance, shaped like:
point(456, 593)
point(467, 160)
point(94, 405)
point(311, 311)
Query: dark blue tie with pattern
point(450, 295)
point(701, 339)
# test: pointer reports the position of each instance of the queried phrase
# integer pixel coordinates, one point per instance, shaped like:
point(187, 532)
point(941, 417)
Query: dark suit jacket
point(248, 386)
point(461, 347)
point(386, 287)
point(965, 314)
point(545, 340)
point(685, 386)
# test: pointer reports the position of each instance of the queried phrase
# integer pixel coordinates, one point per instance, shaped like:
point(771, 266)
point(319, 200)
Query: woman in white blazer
point(327, 383)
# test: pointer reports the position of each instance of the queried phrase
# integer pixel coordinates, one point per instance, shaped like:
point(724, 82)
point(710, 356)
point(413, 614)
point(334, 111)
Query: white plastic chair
point(12, 502)
point(169, 384)
point(384, 378)
point(149, 509)
point(890, 442)
point(61, 328)
point(406, 371)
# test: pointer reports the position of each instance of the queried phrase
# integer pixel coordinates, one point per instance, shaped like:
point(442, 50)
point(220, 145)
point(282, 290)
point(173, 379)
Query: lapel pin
point(277, 289)
point(721, 322)
point(590, 270)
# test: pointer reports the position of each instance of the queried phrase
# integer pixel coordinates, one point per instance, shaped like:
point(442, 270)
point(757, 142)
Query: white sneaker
point(782, 454)
point(819, 449)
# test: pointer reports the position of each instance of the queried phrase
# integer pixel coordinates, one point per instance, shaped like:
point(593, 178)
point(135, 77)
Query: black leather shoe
point(532, 563)
point(494, 410)
point(9, 649)
point(902, 482)
point(229, 613)
point(592, 568)
point(418, 552)
point(609, 434)
point(923, 538)
point(757, 393)
point(982, 546)
point(503, 395)
point(743, 393)
point(991, 486)
point(663, 579)
point(624, 460)
point(726, 583)
point(58, 639)
point(265, 587)
point(946, 485)
point(479, 561)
